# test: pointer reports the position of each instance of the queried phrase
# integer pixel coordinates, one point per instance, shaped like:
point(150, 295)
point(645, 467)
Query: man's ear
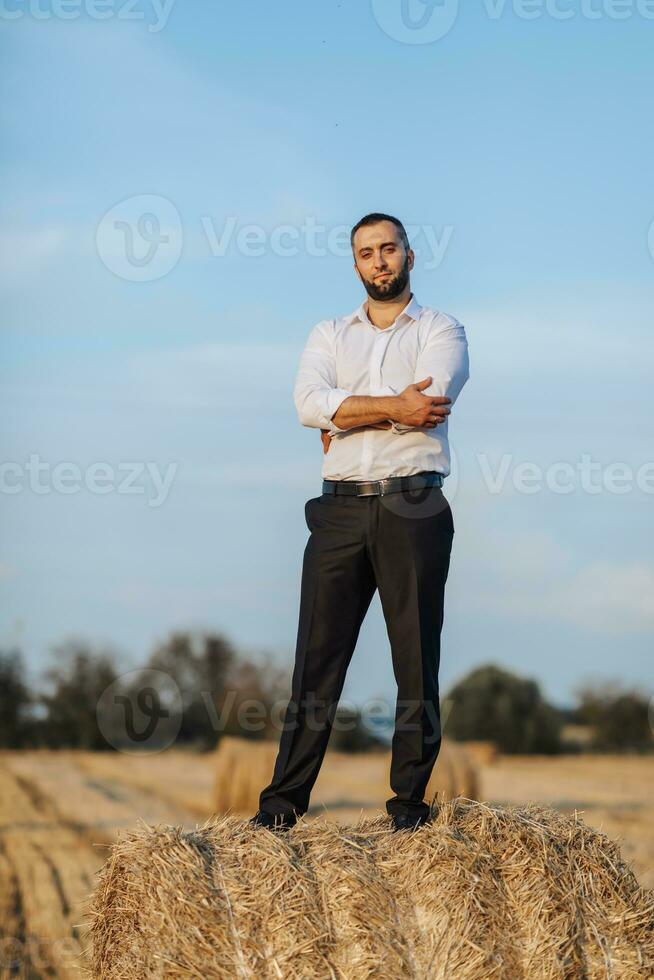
point(356, 269)
point(411, 255)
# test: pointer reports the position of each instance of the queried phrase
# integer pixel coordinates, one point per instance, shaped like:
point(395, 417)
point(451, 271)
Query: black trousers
point(399, 543)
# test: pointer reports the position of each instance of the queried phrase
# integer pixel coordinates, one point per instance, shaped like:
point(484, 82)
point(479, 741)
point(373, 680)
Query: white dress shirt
point(349, 355)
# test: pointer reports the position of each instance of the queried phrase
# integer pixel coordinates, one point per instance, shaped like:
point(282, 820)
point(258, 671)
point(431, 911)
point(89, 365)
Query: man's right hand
point(421, 411)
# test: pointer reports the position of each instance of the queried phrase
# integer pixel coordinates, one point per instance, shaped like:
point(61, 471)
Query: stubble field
point(59, 812)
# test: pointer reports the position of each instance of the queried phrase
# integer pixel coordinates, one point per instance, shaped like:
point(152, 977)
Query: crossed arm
point(441, 370)
point(410, 408)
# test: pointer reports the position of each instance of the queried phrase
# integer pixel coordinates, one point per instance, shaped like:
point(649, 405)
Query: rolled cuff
point(335, 399)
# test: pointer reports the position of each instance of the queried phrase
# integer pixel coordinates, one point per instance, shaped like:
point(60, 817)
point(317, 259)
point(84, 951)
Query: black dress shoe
point(272, 821)
point(403, 821)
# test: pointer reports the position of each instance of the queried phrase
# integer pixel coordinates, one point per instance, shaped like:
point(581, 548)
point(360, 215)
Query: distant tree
point(252, 702)
point(495, 705)
point(619, 718)
point(75, 684)
point(194, 687)
point(199, 664)
point(16, 721)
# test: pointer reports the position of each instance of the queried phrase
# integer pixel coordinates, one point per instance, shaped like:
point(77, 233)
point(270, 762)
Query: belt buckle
point(381, 485)
point(365, 483)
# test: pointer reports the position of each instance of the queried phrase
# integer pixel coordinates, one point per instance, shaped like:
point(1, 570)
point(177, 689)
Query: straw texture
point(481, 893)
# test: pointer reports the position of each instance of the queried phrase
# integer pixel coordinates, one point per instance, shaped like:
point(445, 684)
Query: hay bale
point(484, 753)
point(454, 774)
point(511, 893)
point(243, 768)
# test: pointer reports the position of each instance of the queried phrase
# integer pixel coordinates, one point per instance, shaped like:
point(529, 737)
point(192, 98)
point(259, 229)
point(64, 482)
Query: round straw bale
point(483, 753)
point(242, 768)
point(480, 893)
point(455, 773)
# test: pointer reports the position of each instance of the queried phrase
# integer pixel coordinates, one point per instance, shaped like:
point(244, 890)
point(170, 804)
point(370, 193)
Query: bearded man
point(379, 384)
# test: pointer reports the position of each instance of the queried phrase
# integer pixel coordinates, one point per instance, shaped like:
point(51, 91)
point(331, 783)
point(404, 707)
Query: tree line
point(196, 687)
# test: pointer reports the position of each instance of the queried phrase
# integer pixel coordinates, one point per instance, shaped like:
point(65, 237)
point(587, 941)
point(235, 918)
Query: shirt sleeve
point(317, 396)
point(445, 358)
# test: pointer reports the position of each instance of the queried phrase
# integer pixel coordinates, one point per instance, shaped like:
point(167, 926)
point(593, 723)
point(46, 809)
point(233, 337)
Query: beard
point(390, 288)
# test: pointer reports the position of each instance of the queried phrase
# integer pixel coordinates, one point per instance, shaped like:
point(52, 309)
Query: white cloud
point(535, 578)
point(605, 596)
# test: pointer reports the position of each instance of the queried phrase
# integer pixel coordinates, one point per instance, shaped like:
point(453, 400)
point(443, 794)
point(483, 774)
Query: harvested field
point(244, 767)
point(47, 872)
point(59, 810)
point(58, 813)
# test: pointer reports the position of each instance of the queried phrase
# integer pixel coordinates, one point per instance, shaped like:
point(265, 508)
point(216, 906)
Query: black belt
point(391, 484)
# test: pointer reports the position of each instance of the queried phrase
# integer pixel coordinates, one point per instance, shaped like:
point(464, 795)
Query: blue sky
point(520, 152)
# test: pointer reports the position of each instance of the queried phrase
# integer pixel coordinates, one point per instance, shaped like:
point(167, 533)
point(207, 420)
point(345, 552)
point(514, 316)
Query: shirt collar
point(412, 310)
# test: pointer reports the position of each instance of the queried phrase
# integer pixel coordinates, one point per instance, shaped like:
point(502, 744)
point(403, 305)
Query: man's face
point(381, 261)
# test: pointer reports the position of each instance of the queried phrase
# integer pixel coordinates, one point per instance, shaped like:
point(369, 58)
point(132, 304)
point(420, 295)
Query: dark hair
point(374, 219)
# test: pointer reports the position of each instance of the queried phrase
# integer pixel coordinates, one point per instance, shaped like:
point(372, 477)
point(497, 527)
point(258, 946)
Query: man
point(379, 384)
